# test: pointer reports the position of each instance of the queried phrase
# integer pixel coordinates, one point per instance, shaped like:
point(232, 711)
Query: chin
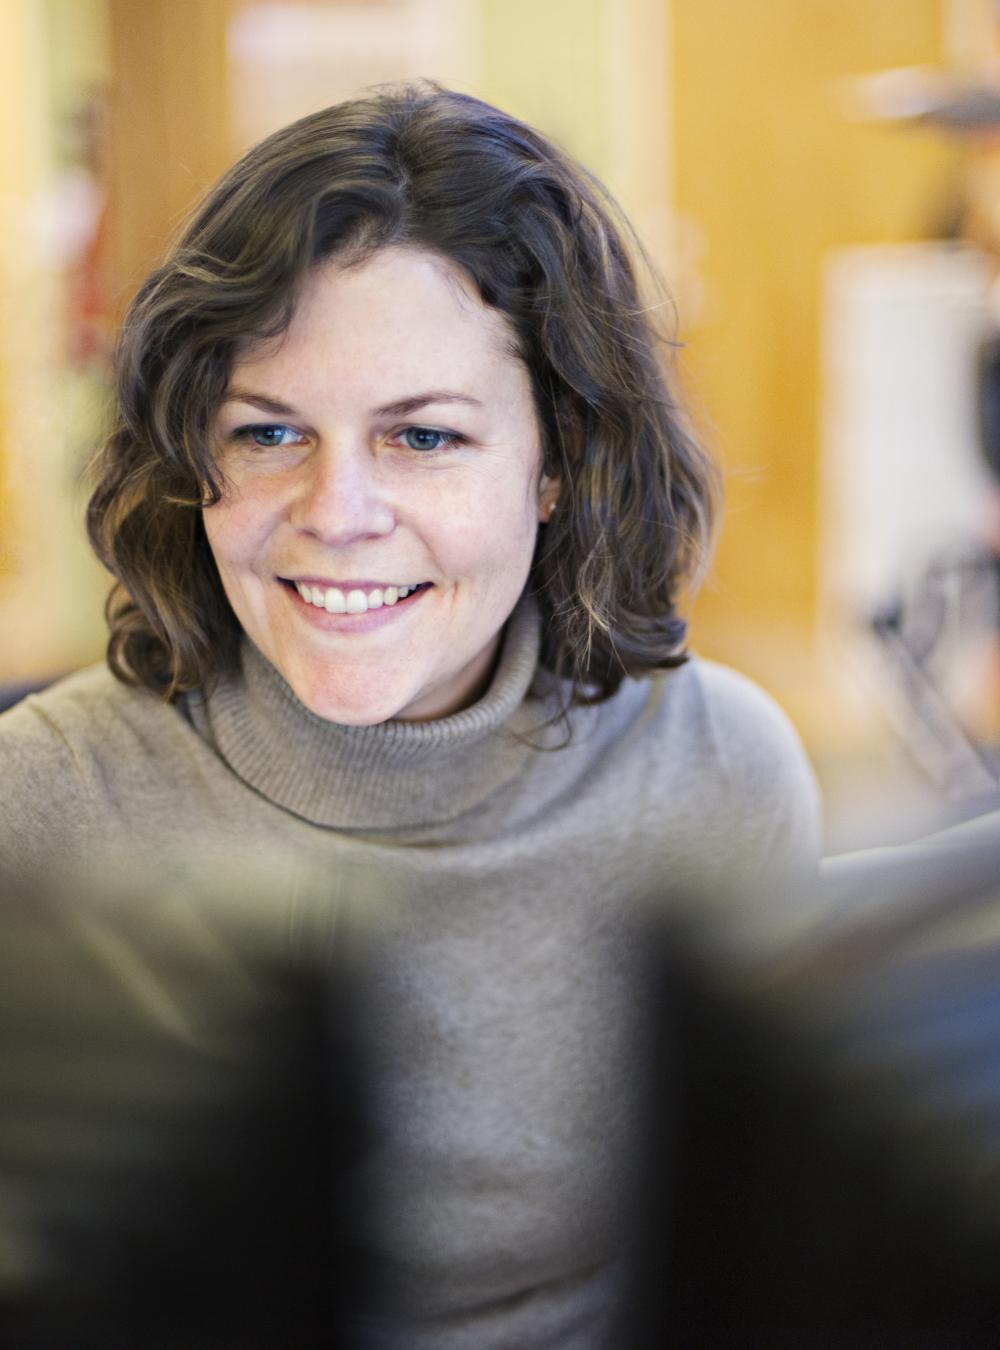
point(351, 713)
point(349, 706)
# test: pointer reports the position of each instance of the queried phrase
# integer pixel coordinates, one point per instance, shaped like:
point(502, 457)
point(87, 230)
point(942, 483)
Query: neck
point(398, 774)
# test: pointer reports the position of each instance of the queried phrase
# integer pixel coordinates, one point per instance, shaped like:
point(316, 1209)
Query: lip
point(351, 624)
point(353, 584)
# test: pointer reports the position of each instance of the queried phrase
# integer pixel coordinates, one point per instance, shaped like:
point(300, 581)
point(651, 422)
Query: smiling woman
point(400, 508)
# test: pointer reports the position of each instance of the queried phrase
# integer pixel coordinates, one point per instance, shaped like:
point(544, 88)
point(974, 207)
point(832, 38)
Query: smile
point(354, 601)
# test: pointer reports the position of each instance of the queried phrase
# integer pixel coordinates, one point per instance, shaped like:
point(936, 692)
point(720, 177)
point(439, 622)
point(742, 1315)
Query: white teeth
point(356, 601)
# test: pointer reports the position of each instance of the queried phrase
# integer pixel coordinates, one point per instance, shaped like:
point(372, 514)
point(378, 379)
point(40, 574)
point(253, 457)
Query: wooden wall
point(769, 174)
point(25, 334)
point(169, 124)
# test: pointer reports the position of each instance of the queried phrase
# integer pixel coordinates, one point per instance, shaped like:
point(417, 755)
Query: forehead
point(402, 312)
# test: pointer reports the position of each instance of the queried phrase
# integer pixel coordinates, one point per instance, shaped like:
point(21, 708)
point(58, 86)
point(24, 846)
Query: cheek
point(234, 528)
point(494, 516)
point(499, 546)
point(222, 538)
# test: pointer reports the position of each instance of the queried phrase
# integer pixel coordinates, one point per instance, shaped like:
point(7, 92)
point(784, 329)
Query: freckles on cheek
point(492, 531)
point(232, 525)
point(495, 547)
point(503, 497)
point(228, 548)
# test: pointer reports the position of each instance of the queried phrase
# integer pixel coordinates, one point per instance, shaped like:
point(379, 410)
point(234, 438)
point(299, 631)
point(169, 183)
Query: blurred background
point(817, 180)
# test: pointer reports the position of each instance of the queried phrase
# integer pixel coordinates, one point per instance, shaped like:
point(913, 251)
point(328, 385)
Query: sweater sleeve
point(786, 824)
point(765, 801)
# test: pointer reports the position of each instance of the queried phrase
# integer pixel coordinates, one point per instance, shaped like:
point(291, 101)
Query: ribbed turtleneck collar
point(395, 774)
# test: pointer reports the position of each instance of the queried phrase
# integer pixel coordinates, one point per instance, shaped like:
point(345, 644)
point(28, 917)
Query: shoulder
point(717, 712)
point(69, 751)
point(704, 715)
point(731, 766)
point(78, 716)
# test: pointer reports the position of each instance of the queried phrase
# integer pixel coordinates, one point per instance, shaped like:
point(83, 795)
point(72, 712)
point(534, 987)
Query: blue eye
point(267, 435)
point(426, 438)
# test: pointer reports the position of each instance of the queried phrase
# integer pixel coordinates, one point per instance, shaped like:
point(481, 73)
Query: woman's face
point(383, 490)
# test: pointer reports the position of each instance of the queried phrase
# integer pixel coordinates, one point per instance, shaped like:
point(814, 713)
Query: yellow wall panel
point(770, 174)
point(24, 335)
point(169, 124)
point(544, 63)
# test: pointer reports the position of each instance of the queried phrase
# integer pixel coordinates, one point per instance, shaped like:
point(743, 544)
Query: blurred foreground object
point(833, 1103)
point(177, 1101)
point(181, 1117)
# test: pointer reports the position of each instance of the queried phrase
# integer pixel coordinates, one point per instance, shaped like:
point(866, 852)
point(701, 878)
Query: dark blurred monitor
point(178, 1117)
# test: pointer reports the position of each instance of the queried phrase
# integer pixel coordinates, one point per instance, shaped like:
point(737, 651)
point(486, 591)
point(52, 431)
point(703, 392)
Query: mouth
point(355, 599)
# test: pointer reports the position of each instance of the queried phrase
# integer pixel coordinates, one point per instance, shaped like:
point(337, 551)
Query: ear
point(548, 495)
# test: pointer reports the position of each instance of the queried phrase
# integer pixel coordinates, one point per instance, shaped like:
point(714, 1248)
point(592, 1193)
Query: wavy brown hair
point(543, 243)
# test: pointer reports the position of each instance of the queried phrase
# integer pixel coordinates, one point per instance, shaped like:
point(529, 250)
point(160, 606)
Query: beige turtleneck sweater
point(504, 988)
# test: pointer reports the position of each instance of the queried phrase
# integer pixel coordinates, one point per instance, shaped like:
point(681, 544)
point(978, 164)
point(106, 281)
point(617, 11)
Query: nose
point(339, 497)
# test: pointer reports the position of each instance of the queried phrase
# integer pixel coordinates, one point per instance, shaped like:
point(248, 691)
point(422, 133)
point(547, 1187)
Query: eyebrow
point(401, 408)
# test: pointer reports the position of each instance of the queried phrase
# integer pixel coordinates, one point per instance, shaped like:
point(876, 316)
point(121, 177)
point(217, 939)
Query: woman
point(400, 510)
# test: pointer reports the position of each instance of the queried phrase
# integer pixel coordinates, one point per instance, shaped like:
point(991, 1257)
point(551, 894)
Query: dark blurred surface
point(825, 1157)
point(178, 1115)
